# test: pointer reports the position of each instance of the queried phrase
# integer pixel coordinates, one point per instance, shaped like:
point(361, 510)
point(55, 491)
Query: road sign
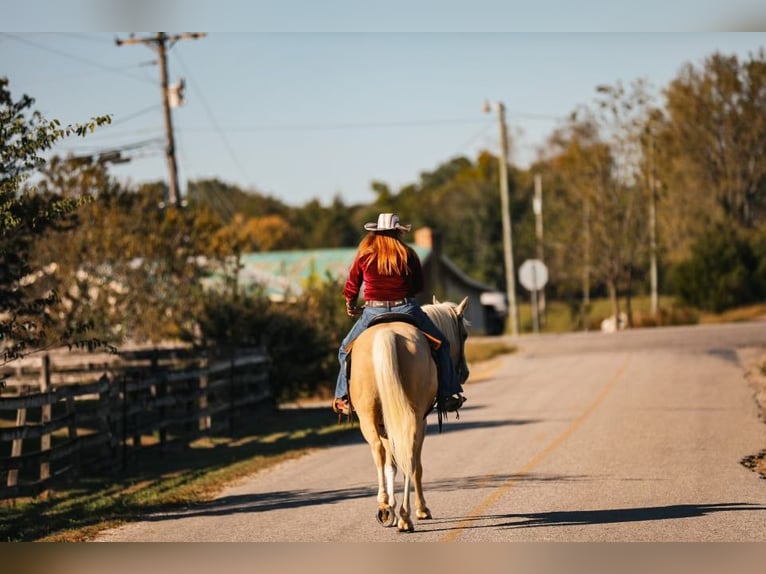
point(533, 274)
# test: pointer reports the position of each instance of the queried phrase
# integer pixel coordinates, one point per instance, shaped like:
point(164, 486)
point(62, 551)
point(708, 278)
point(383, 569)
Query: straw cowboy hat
point(387, 222)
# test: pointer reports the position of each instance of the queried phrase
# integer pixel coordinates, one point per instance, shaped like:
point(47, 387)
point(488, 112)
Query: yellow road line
point(501, 490)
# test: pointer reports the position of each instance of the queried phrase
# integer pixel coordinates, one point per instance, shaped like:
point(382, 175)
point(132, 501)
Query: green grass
point(562, 317)
point(180, 478)
point(477, 350)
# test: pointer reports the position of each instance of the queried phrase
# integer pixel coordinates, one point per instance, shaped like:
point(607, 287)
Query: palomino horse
point(393, 387)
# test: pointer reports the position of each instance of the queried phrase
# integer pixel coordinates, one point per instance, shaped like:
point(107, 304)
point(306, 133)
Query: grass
point(477, 350)
point(739, 314)
point(564, 318)
point(179, 479)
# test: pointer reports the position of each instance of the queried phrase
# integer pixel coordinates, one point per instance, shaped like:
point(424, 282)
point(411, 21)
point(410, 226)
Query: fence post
point(71, 412)
point(124, 405)
point(45, 440)
point(204, 419)
point(230, 410)
point(16, 446)
point(161, 392)
point(108, 400)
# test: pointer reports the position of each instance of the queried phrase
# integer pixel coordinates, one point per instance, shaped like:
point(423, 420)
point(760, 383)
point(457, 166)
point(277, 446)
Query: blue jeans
point(449, 383)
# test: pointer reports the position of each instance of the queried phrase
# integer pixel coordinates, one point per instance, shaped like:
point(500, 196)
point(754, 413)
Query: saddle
point(397, 318)
point(434, 343)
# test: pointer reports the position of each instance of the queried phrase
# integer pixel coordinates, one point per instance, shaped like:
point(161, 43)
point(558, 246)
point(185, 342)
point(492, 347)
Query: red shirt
point(384, 287)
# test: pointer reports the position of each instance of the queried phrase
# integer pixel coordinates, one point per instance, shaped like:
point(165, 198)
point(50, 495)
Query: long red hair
point(387, 251)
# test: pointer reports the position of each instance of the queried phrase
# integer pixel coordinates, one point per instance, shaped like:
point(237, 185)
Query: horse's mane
point(444, 317)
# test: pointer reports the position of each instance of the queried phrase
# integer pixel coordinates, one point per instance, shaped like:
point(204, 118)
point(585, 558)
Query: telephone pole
point(161, 43)
point(510, 272)
point(537, 207)
point(653, 230)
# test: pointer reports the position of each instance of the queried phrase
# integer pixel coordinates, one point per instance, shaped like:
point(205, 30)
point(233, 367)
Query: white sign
point(533, 274)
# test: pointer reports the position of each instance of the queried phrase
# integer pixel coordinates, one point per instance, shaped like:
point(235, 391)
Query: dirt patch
point(756, 463)
point(755, 373)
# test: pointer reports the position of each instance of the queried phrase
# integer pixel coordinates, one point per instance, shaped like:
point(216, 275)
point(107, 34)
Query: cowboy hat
point(387, 222)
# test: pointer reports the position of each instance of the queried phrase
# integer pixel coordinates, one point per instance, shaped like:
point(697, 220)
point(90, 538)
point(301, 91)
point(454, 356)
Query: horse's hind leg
point(421, 511)
point(405, 522)
point(386, 473)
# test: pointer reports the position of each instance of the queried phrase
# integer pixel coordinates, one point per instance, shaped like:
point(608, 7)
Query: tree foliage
point(722, 272)
point(716, 137)
point(25, 215)
point(597, 160)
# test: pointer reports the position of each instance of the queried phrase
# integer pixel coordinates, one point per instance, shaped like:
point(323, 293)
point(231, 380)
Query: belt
point(394, 303)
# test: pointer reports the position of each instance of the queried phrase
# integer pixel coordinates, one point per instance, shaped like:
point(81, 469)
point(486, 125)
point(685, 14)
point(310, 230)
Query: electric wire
point(80, 59)
point(213, 120)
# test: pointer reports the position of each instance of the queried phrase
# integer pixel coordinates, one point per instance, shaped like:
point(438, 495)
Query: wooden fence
point(71, 414)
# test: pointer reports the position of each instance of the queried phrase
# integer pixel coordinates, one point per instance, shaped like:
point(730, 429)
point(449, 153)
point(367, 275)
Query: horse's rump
point(393, 381)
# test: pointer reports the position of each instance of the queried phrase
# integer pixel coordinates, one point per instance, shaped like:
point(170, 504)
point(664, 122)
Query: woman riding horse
point(392, 275)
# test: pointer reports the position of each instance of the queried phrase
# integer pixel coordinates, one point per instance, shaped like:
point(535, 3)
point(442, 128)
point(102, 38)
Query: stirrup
point(453, 402)
point(342, 407)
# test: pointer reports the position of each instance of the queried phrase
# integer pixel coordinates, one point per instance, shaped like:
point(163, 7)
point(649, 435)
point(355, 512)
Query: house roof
point(288, 273)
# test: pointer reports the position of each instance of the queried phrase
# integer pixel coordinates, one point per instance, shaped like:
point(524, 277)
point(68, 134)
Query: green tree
point(716, 139)
point(722, 272)
point(599, 159)
point(25, 309)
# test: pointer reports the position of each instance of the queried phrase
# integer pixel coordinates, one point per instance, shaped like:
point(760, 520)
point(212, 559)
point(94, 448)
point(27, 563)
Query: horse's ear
point(436, 301)
point(462, 307)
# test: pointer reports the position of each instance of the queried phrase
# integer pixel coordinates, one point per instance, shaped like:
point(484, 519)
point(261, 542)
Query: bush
point(301, 337)
point(666, 317)
point(722, 272)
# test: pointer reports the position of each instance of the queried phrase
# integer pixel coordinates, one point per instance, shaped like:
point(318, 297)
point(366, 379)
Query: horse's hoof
point(386, 516)
point(424, 515)
point(406, 526)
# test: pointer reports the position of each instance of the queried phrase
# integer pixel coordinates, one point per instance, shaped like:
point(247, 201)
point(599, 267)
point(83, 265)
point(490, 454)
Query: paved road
point(635, 436)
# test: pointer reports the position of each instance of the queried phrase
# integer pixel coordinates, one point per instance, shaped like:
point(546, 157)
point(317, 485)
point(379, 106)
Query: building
point(285, 274)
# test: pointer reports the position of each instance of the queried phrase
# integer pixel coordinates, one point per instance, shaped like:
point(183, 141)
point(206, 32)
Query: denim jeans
point(449, 383)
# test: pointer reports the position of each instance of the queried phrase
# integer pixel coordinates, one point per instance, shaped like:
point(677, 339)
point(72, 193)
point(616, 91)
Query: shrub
point(301, 337)
point(722, 272)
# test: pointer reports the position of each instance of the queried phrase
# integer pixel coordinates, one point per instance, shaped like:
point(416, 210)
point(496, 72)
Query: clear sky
point(300, 111)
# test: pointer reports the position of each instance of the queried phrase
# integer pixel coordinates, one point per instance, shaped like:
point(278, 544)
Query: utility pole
point(586, 263)
point(537, 206)
point(510, 273)
point(653, 230)
point(162, 42)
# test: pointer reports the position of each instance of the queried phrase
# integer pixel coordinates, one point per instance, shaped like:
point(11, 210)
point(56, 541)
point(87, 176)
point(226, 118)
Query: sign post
point(533, 275)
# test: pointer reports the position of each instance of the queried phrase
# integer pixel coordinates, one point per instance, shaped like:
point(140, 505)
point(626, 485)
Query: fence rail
point(62, 415)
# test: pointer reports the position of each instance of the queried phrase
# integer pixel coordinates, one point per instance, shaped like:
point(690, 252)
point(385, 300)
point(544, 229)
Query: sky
point(307, 109)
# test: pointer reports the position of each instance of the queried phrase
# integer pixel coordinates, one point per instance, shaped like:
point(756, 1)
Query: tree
point(722, 271)
point(599, 157)
point(25, 310)
point(716, 138)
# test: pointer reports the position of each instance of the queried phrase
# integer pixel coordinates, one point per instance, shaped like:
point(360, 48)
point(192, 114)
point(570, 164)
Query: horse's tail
point(398, 413)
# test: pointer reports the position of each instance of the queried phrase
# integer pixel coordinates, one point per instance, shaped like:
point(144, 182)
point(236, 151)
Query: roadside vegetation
point(172, 481)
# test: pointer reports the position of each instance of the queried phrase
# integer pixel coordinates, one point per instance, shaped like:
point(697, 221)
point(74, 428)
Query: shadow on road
point(285, 499)
point(453, 425)
point(610, 516)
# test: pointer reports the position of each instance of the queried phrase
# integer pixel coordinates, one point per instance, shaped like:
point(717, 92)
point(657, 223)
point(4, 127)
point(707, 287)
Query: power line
point(217, 127)
point(476, 136)
point(367, 125)
point(134, 115)
point(345, 125)
point(80, 59)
